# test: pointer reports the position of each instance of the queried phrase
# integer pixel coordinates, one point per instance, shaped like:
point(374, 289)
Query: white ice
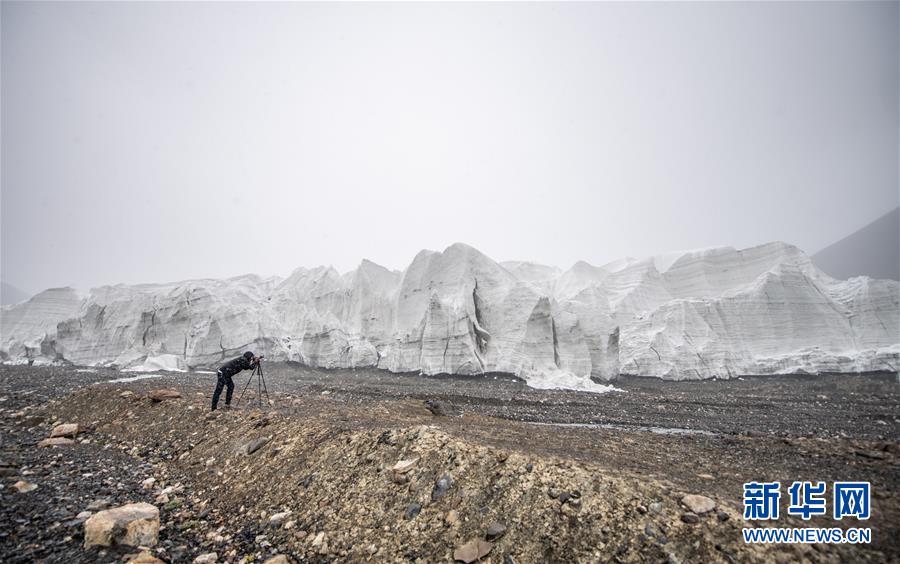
point(720, 312)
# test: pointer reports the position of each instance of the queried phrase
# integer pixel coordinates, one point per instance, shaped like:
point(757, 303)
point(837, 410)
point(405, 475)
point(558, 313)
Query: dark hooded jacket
point(234, 366)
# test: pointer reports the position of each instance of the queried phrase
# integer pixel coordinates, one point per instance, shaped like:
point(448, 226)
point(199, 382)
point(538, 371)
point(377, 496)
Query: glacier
point(710, 313)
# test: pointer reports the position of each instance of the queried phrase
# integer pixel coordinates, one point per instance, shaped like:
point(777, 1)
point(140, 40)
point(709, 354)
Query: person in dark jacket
point(245, 362)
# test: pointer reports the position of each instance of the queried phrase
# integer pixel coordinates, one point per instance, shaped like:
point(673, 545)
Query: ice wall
point(718, 312)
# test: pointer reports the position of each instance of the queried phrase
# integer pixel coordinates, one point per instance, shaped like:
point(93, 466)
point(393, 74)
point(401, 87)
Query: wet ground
point(705, 437)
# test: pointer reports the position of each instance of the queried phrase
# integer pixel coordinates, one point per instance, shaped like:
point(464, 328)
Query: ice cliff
point(717, 312)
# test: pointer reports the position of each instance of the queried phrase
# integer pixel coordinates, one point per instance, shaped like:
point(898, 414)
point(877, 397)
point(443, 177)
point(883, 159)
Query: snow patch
point(127, 379)
point(563, 380)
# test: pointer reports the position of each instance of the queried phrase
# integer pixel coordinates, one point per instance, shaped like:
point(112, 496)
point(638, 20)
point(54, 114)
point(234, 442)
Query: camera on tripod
point(260, 382)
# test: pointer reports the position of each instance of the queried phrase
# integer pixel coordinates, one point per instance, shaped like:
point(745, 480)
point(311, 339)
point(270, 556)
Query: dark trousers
point(222, 382)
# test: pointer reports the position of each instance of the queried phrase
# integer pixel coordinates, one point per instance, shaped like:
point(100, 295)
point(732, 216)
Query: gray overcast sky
point(163, 141)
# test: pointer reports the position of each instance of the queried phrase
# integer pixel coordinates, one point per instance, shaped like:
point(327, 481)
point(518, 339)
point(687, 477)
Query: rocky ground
point(324, 473)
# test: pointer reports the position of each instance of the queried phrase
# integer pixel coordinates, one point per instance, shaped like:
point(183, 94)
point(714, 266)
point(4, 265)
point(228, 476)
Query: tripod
point(260, 384)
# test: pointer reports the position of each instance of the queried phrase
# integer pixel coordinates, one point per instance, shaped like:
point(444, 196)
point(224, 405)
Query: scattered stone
point(690, 518)
point(64, 430)
point(278, 559)
point(24, 487)
point(412, 510)
point(126, 394)
point(722, 516)
point(319, 539)
point(56, 441)
point(655, 507)
point(148, 483)
point(441, 487)
point(254, 445)
point(495, 531)
point(698, 504)
point(473, 550)
point(134, 524)
point(161, 395)
point(404, 466)
point(706, 476)
point(278, 519)
point(207, 558)
point(452, 517)
point(564, 497)
point(83, 516)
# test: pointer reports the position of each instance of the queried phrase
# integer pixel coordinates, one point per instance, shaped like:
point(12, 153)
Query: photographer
point(245, 362)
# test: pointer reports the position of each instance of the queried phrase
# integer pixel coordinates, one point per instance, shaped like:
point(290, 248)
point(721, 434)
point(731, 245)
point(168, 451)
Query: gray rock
point(64, 430)
point(437, 407)
point(277, 519)
point(690, 518)
point(412, 510)
point(441, 487)
point(495, 531)
point(254, 445)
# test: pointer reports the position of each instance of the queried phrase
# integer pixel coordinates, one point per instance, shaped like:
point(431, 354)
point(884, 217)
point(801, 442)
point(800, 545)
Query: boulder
point(56, 441)
point(65, 430)
point(698, 504)
point(134, 524)
point(163, 394)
